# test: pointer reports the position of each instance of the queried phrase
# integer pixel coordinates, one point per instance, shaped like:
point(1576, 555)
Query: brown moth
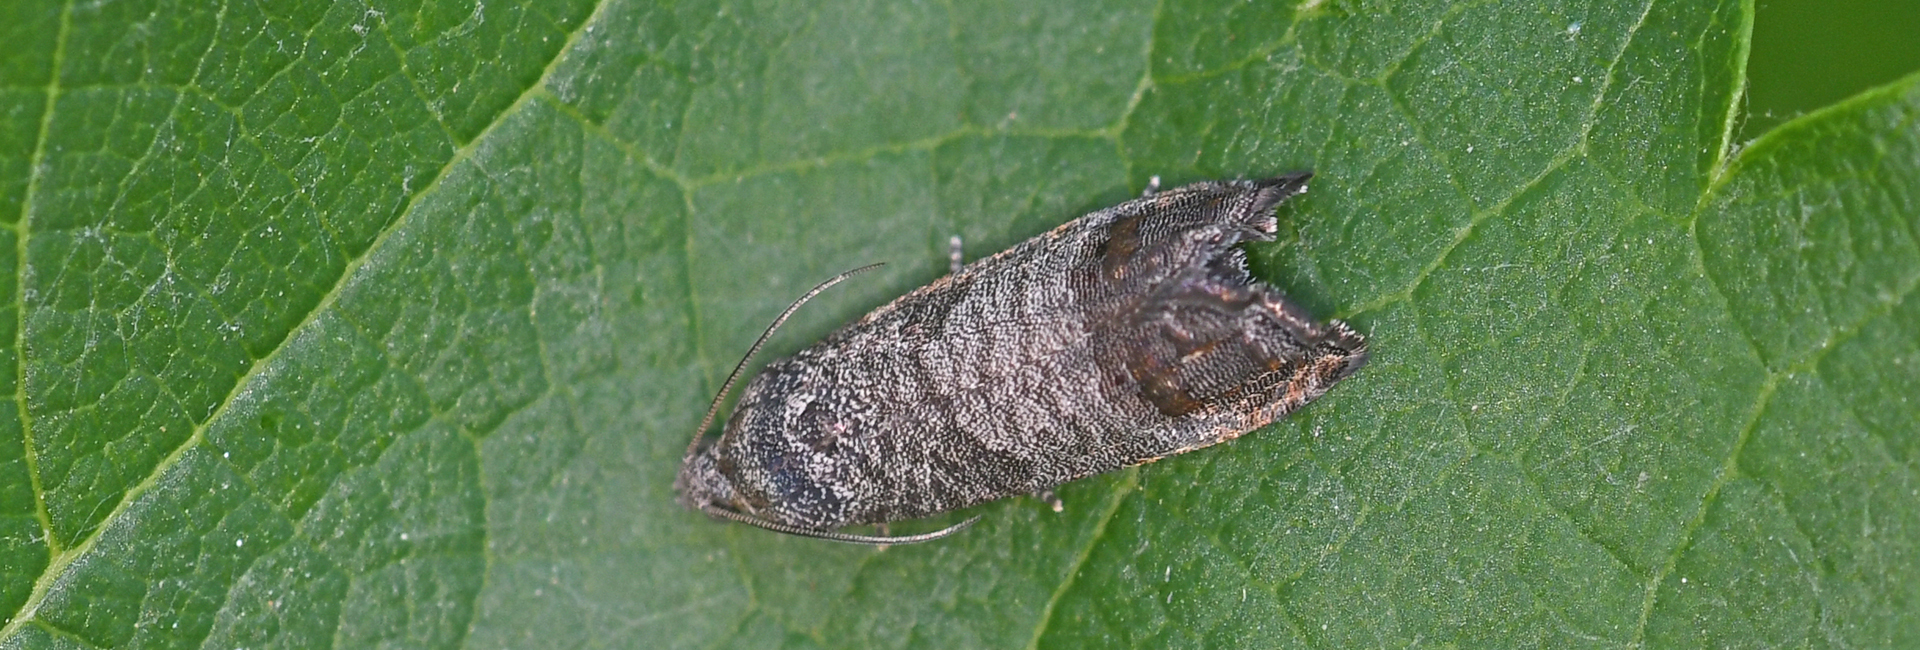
point(1124, 336)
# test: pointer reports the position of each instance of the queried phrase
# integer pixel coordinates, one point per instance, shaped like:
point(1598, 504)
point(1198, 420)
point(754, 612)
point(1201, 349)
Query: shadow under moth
point(1124, 336)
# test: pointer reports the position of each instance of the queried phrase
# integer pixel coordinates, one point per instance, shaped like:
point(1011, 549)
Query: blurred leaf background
point(1810, 54)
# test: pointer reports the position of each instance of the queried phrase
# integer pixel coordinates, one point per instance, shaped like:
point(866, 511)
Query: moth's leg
point(1153, 187)
point(954, 261)
point(1052, 499)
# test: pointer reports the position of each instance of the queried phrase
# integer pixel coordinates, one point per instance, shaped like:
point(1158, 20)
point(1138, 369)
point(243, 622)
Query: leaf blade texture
point(387, 323)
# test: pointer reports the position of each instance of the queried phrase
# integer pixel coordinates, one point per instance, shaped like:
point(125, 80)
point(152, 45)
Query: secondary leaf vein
point(21, 275)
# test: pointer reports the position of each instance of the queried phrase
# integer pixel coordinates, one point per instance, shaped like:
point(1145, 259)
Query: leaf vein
point(21, 275)
point(1118, 494)
point(1774, 377)
point(1812, 577)
point(1729, 470)
point(413, 84)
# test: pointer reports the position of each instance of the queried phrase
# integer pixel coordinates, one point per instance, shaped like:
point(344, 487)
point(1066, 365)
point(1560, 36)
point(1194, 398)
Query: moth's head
point(703, 487)
point(700, 483)
point(787, 450)
point(764, 462)
point(763, 465)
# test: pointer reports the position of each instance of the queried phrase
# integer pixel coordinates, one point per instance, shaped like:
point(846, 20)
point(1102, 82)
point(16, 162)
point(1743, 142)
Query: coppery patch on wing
point(1161, 384)
point(1328, 369)
point(1297, 387)
point(1123, 241)
point(1198, 352)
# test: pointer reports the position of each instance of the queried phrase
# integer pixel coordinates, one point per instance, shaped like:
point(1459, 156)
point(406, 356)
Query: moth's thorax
point(787, 448)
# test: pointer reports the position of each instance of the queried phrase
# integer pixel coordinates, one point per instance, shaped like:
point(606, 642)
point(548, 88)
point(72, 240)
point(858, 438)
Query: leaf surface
point(387, 323)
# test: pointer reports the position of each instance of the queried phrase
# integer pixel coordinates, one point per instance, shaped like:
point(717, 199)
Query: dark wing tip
point(1279, 188)
point(1350, 344)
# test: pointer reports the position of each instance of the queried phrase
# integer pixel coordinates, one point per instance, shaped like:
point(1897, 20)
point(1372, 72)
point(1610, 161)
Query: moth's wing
point(1202, 333)
point(1209, 338)
point(1167, 235)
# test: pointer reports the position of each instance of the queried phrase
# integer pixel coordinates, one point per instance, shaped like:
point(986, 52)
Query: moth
point(1124, 336)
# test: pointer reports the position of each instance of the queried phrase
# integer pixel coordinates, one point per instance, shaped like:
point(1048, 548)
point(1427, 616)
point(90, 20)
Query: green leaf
point(387, 323)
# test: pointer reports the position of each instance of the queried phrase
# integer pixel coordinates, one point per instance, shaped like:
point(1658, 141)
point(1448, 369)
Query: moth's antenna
point(694, 447)
point(837, 537)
